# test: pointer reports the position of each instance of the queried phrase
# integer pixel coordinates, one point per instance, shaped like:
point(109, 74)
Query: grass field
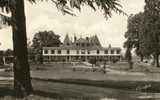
point(137, 67)
point(48, 90)
point(123, 66)
point(76, 85)
point(140, 72)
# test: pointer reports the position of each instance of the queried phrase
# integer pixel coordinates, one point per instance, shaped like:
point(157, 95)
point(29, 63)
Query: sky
point(45, 16)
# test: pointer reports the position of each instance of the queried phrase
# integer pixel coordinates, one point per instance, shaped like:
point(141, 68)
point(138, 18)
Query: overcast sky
point(44, 16)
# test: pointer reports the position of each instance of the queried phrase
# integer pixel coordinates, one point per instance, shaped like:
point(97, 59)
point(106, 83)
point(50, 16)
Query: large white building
point(82, 49)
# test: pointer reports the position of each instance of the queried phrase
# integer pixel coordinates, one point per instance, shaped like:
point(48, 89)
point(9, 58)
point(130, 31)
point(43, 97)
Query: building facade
point(6, 57)
point(81, 50)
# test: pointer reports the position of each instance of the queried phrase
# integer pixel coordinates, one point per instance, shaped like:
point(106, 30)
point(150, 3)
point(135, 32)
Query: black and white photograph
point(79, 49)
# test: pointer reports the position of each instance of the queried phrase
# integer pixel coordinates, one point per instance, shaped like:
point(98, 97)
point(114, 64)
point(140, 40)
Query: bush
point(92, 61)
point(41, 68)
point(114, 60)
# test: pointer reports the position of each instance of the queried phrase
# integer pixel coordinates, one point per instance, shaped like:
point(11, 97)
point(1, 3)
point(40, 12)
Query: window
point(83, 52)
point(97, 51)
point(112, 51)
point(68, 52)
point(45, 51)
point(88, 52)
point(59, 51)
point(77, 44)
point(106, 51)
point(52, 52)
point(67, 43)
point(77, 51)
point(97, 44)
point(118, 51)
point(83, 44)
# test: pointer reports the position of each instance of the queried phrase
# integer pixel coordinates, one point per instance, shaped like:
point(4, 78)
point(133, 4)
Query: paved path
point(1, 70)
point(112, 71)
point(6, 78)
point(109, 70)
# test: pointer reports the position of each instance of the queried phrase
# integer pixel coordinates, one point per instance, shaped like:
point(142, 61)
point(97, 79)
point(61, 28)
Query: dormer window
point(67, 43)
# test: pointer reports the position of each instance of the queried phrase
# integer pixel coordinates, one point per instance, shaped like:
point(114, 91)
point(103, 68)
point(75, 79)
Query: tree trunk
point(154, 60)
point(157, 60)
point(22, 79)
point(141, 58)
point(41, 55)
point(130, 64)
point(129, 58)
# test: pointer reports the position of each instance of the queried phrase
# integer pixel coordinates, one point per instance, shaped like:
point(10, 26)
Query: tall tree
point(44, 39)
point(22, 80)
point(152, 28)
point(135, 34)
point(128, 55)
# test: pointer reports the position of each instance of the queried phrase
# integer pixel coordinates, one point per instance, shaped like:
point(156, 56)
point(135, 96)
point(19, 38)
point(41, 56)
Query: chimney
point(109, 46)
point(87, 38)
point(75, 38)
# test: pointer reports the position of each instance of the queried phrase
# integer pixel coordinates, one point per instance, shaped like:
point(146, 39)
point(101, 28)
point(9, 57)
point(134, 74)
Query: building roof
point(95, 40)
point(67, 40)
point(87, 43)
point(79, 48)
point(81, 40)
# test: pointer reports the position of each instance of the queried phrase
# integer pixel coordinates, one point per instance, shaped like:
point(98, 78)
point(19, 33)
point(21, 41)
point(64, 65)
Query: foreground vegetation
point(58, 90)
point(59, 82)
point(63, 73)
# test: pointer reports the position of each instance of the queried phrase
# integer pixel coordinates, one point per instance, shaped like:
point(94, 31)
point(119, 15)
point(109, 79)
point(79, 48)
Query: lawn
point(130, 80)
point(121, 66)
point(137, 67)
point(121, 73)
point(50, 75)
point(48, 90)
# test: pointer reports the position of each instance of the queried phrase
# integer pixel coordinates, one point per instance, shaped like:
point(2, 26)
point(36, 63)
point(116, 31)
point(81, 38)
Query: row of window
point(82, 52)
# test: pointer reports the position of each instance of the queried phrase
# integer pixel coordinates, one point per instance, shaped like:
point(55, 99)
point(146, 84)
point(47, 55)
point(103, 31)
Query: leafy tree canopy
point(46, 39)
point(152, 28)
point(66, 6)
point(135, 34)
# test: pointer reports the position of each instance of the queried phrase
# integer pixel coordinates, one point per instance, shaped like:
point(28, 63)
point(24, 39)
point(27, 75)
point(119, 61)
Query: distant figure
point(104, 67)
